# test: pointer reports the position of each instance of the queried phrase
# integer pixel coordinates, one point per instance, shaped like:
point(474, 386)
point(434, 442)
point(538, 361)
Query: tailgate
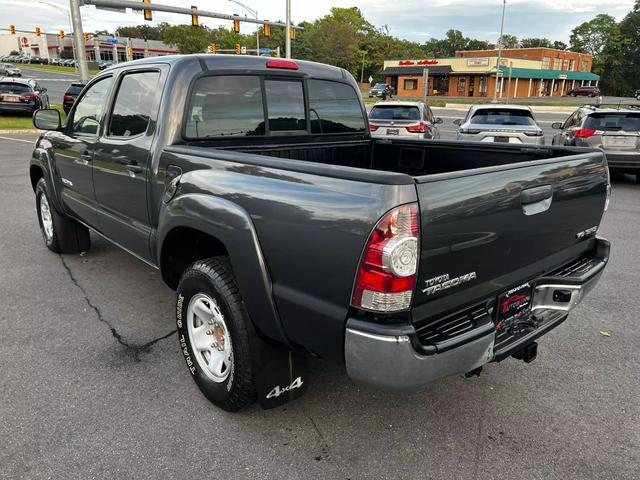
point(487, 230)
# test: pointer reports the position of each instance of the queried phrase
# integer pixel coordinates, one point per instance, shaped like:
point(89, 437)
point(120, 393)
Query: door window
point(90, 108)
point(135, 102)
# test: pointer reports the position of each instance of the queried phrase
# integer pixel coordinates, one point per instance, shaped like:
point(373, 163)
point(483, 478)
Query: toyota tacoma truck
point(254, 186)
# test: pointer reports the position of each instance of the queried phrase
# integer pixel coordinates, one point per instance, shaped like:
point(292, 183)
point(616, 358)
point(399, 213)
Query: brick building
point(523, 72)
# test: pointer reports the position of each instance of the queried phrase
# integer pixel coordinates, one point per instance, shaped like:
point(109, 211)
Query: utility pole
point(287, 33)
point(425, 87)
point(495, 91)
point(78, 36)
point(364, 52)
point(255, 14)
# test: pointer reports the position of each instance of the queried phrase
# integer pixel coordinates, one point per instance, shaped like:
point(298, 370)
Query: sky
point(416, 20)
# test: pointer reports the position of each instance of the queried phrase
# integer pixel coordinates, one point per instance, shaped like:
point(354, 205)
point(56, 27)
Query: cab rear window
point(334, 108)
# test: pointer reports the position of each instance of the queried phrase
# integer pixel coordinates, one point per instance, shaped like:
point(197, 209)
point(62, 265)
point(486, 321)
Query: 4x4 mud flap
point(278, 372)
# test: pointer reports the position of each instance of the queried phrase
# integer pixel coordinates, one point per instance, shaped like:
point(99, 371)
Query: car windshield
point(503, 116)
point(394, 112)
point(9, 87)
point(611, 122)
point(380, 85)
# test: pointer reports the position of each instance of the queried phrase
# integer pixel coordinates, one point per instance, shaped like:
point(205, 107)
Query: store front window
point(410, 84)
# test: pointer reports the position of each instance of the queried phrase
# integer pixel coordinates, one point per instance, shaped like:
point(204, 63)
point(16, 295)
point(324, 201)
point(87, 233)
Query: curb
point(535, 108)
point(20, 131)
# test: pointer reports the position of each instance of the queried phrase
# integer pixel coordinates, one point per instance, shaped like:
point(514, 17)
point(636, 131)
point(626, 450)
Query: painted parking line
point(18, 139)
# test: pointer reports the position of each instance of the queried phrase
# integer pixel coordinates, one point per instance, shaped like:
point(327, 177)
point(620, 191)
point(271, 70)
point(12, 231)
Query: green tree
point(508, 41)
point(558, 45)
point(592, 36)
point(535, 43)
point(148, 32)
point(188, 39)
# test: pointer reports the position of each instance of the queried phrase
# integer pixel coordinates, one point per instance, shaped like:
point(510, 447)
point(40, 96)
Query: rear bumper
point(18, 107)
point(391, 357)
point(623, 161)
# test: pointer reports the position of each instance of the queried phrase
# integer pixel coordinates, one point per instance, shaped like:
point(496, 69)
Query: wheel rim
point(45, 218)
point(209, 337)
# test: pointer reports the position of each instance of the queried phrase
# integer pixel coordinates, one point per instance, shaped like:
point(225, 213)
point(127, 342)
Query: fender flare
point(41, 158)
point(232, 225)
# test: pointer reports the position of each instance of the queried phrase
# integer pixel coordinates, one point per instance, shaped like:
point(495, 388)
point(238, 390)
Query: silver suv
point(615, 129)
point(500, 123)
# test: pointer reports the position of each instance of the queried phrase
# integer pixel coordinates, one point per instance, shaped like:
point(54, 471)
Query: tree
point(188, 39)
point(148, 32)
point(558, 45)
point(535, 43)
point(508, 41)
point(592, 36)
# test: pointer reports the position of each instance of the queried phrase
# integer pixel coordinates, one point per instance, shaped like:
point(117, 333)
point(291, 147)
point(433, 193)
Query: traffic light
point(194, 18)
point(213, 47)
point(236, 25)
point(38, 32)
point(61, 34)
point(292, 33)
point(12, 29)
point(266, 30)
point(86, 37)
point(147, 13)
point(238, 48)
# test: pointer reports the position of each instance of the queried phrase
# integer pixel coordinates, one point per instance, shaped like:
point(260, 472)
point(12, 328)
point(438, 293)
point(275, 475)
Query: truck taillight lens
point(419, 128)
point(387, 272)
point(373, 128)
point(585, 133)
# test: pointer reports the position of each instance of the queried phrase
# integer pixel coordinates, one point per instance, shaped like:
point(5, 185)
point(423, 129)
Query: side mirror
point(556, 125)
point(438, 120)
point(43, 90)
point(457, 122)
point(47, 119)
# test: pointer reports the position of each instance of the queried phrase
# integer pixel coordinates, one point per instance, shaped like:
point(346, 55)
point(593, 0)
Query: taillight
point(68, 98)
point(373, 128)
point(30, 97)
point(419, 128)
point(286, 64)
point(585, 132)
point(387, 272)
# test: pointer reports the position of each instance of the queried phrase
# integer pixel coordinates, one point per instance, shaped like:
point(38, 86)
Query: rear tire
point(213, 333)
point(61, 234)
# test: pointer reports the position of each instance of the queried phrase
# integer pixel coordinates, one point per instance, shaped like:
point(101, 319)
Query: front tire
point(213, 333)
point(60, 233)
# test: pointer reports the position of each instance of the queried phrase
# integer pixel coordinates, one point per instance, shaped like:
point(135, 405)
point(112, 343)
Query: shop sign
point(562, 76)
point(403, 63)
point(477, 62)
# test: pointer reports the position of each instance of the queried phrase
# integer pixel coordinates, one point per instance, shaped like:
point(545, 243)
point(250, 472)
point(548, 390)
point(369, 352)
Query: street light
point(495, 91)
point(255, 14)
point(68, 14)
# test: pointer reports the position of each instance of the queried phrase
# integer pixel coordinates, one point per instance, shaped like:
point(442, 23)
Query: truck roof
point(242, 62)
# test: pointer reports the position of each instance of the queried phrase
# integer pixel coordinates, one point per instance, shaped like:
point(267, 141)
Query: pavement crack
point(135, 349)
point(324, 447)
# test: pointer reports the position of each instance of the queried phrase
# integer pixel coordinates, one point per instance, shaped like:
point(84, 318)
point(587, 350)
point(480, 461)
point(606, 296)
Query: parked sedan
point(500, 123)
point(9, 70)
point(378, 89)
point(616, 130)
point(403, 119)
point(22, 96)
point(587, 91)
point(70, 96)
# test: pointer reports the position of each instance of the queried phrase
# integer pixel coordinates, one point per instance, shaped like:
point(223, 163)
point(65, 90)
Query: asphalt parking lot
point(93, 383)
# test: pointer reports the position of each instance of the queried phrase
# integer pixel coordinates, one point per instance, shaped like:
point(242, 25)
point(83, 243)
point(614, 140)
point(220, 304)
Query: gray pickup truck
point(254, 186)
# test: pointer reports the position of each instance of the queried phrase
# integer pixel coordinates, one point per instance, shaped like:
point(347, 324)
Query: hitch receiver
point(528, 353)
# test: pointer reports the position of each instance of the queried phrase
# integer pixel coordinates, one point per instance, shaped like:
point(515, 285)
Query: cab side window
point(91, 107)
point(135, 102)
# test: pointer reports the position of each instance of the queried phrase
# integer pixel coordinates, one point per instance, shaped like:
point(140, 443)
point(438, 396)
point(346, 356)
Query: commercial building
point(523, 72)
point(99, 47)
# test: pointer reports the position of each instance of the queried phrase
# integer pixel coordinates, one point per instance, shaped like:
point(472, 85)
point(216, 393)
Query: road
point(56, 83)
point(93, 382)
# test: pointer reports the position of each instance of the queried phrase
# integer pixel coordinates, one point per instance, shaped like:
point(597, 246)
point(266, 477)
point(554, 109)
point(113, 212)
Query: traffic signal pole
point(78, 38)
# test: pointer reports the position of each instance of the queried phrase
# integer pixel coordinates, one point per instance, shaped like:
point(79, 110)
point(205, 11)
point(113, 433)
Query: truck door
point(74, 150)
point(121, 164)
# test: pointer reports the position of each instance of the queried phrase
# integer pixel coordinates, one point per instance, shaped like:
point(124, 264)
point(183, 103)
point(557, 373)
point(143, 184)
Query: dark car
point(615, 129)
point(70, 95)
point(254, 185)
point(104, 64)
point(586, 91)
point(22, 95)
point(379, 88)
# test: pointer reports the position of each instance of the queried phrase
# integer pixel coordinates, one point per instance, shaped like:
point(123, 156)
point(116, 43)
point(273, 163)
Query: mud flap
point(278, 373)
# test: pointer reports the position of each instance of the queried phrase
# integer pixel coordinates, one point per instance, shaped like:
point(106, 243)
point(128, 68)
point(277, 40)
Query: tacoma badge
point(442, 282)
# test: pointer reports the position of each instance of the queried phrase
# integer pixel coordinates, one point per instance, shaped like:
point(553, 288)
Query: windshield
point(380, 85)
point(389, 112)
point(8, 87)
point(502, 117)
point(611, 122)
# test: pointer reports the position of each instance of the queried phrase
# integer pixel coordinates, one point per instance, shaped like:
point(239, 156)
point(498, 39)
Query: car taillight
point(585, 132)
point(419, 128)
point(387, 272)
point(68, 98)
point(31, 97)
point(535, 133)
point(373, 128)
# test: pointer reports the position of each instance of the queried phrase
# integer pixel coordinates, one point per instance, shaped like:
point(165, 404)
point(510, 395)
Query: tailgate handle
point(532, 195)
point(536, 200)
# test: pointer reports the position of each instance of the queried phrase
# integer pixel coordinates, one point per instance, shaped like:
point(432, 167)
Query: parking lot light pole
point(495, 91)
point(78, 36)
point(255, 14)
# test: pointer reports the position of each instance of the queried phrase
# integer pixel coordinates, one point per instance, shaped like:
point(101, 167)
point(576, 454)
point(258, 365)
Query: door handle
point(536, 200)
